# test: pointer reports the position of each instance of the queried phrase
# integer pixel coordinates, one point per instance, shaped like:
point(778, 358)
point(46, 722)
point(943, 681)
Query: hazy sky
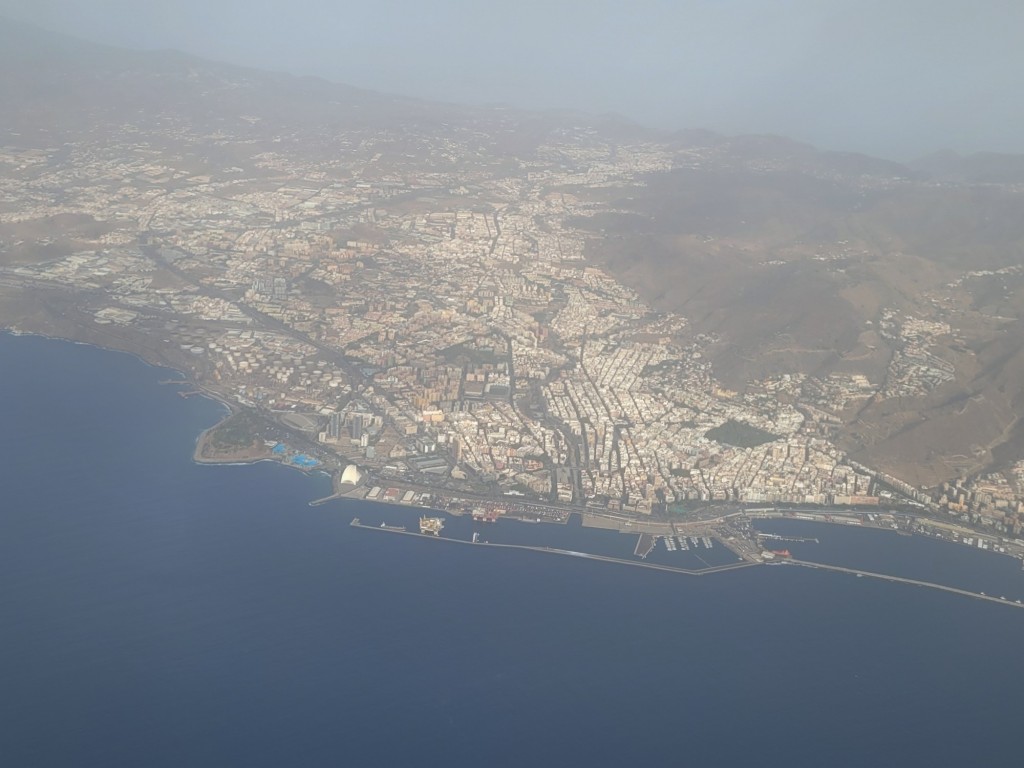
point(896, 78)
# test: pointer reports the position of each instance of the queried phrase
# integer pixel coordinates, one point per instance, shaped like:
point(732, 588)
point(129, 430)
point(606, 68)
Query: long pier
point(704, 571)
point(565, 552)
point(795, 539)
point(904, 580)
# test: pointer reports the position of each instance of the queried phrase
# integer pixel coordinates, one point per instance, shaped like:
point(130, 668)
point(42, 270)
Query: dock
point(795, 539)
point(564, 552)
point(644, 545)
point(903, 580)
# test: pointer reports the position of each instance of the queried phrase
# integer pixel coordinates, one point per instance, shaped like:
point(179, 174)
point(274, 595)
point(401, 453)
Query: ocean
point(156, 612)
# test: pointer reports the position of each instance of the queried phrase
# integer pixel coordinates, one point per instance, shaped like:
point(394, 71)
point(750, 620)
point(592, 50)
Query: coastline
point(186, 379)
point(235, 570)
point(596, 518)
point(857, 572)
point(162, 363)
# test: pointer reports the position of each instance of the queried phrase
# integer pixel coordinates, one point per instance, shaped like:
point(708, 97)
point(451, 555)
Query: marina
point(690, 536)
point(686, 544)
point(686, 554)
point(381, 615)
point(754, 536)
point(357, 523)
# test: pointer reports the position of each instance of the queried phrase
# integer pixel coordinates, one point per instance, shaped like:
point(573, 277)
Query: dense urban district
point(419, 307)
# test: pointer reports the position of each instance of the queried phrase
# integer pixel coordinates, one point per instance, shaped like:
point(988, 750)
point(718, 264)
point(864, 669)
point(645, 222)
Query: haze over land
point(499, 300)
point(897, 80)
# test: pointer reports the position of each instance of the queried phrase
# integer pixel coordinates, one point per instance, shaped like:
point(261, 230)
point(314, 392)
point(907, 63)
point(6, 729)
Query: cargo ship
point(481, 515)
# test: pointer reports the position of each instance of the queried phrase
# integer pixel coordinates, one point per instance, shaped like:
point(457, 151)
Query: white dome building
point(351, 475)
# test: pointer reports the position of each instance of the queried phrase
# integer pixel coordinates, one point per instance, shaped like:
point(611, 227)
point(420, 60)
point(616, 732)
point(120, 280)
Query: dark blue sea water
point(154, 612)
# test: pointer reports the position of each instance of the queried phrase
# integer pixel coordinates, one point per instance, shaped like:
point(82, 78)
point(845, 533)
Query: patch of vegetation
point(237, 431)
point(740, 435)
point(679, 508)
point(664, 366)
point(461, 354)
